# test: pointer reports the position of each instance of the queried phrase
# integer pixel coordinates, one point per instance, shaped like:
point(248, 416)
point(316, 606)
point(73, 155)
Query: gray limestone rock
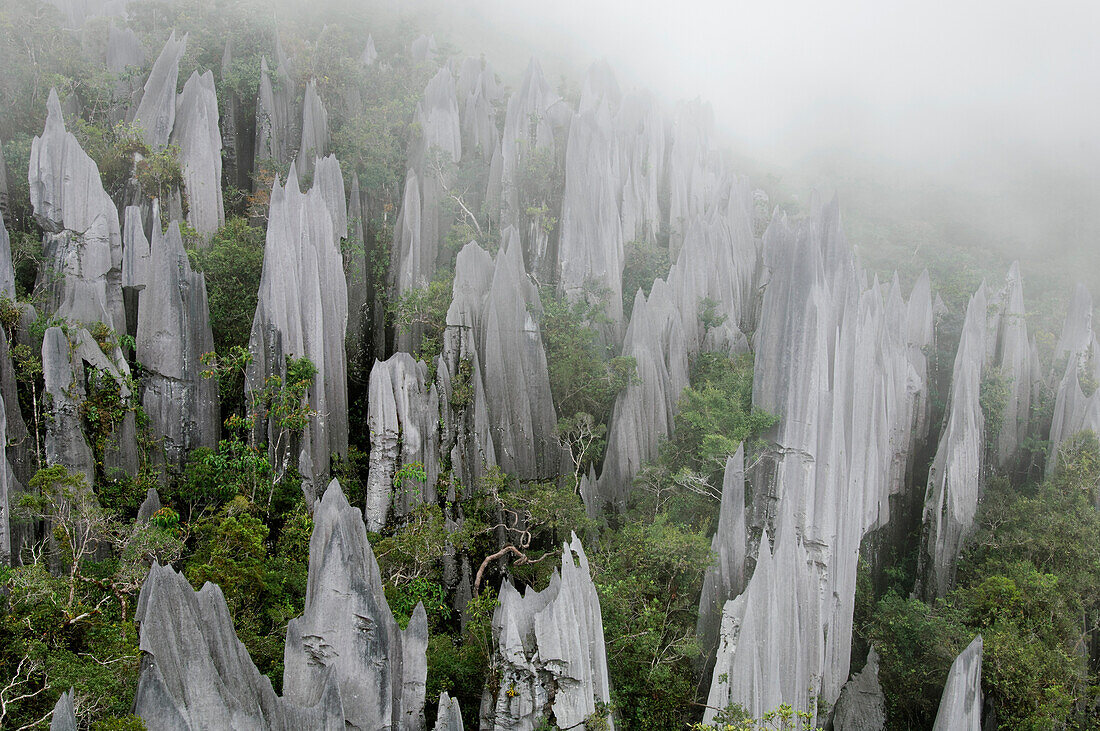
point(7, 492)
point(423, 48)
point(513, 363)
point(961, 702)
point(861, 705)
point(590, 247)
point(1078, 353)
point(173, 334)
point(135, 247)
point(315, 140)
point(302, 311)
point(275, 136)
point(7, 269)
point(449, 717)
point(83, 243)
point(725, 577)
point(196, 674)
point(403, 414)
point(347, 634)
point(955, 477)
point(770, 647)
point(1011, 353)
point(124, 51)
point(150, 505)
point(198, 134)
point(550, 653)
point(5, 186)
point(370, 54)
point(64, 713)
point(156, 114)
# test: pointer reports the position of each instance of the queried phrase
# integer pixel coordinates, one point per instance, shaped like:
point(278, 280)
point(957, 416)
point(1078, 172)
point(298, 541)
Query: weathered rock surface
point(7, 269)
point(7, 491)
point(315, 138)
point(302, 311)
point(449, 717)
point(196, 674)
point(403, 414)
point(149, 506)
point(1076, 403)
point(771, 644)
point(1011, 353)
point(550, 654)
point(423, 48)
point(156, 114)
point(861, 705)
point(82, 244)
point(172, 336)
point(347, 634)
point(64, 713)
point(955, 477)
point(198, 134)
point(370, 53)
point(725, 577)
point(275, 138)
point(513, 362)
point(961, 702)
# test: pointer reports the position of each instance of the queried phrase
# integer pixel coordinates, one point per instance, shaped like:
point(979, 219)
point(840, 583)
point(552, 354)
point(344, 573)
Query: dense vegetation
point(1030, 581)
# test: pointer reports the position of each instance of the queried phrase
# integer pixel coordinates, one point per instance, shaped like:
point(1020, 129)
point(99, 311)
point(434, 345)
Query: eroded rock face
point(69, 368)
point(449, 717)
point(275, 135)
point(513, 362)
point(370, 53)
point(314, 130)
point(196, 674)
point(550, 654)
point(961, 702)
point(198, 134)
point(725, 577)
point(82, 243)
point(954, 479)
point(6, 491)
point(1011, 353)
point(64, 713)
point(348, 636)
point(302, 311)
point(771, 643)
point(404, 429)
point(861, 705)
point(156, 114)
point(172, 336)
point(1076, 404)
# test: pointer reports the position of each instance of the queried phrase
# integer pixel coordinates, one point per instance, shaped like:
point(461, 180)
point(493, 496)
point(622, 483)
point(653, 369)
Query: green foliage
point(643, 263)
point(649, 575)
point(424, 310)
point(232, 263)
point(993, 394)
point(404, 598)
point(584, 377)
point(784, 718)
point(916, 645)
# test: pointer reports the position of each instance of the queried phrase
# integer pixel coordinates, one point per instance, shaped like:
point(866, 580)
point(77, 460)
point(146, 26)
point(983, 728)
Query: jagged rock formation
point(198, 135)
point(196, 674)
point(771, 644)
point(1076, 404)
point(135, 247)
point(156, 114)
point(149, 506)
point(466, 426)
point(954, 479)
point(725, 577)
point(370, 53)
point(961, 703)
point(7, 492)
point(1012, 353)
point(274, 132)
point(173, 334)
point(302, 311)
point(550, 655)
point(64, 713)
point(82, 243)
point(314, 130)
point(404, 428)
point(347, 635)
point(124, 50)
point(861, 705)
point(449, 717)
point(423, 48)
point(70, 365)
point(7, 269)
point(513, 363)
